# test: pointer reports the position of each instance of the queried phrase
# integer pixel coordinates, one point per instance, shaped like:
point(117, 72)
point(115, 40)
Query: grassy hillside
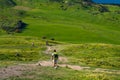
point(72, 25)
point(13, 48)
point(85, 33)
point(71, 21)
point(99, 55)
point(20, 48)
point(94, 55)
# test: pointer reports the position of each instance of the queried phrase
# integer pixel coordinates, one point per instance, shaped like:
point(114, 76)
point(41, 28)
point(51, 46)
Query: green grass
point(96, 39)
point(13, 45)
point(97, 55)
point(74, 26)
point(94, 55)
point(88, 54)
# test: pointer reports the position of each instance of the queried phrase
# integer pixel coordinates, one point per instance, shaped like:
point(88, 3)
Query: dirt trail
point(17, 70)
point(50, 49)
point(13, 71)
point(64, 60)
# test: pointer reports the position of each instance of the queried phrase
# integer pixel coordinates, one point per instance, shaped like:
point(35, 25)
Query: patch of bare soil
point(107, 71)
point(21, 8)
point(13, 71)
point(49, 63)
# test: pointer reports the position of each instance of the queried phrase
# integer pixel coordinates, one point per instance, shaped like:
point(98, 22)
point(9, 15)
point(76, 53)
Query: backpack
point(56, 56)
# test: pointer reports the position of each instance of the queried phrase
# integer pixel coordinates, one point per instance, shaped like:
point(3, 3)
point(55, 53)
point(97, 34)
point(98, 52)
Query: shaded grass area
point(97, 55)
point(48, 73)
point(7, 3)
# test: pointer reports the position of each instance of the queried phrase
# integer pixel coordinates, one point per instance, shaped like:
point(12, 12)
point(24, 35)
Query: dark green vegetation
point(95, 30)
point(10, 19)
point(7, 3)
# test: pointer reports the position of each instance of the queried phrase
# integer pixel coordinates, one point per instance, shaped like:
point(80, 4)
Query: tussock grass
point(21, 48)
point(99, 55)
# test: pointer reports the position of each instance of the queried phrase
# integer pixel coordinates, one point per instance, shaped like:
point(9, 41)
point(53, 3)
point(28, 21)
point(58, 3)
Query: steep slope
point(76, 21)
point(74, 24)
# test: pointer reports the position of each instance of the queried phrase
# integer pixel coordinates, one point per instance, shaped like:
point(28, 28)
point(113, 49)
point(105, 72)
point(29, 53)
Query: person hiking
point(55, 59)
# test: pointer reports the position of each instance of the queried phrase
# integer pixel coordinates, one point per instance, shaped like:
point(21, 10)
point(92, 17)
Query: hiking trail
point(17, 70)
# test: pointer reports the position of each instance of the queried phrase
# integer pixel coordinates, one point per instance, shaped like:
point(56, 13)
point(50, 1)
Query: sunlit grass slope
point(97, 55)
point(13, 48)
point(72, 25)
point(97, 38)
point(24, 48)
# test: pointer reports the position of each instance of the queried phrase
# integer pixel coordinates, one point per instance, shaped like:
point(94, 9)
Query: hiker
point(33, 44)
point(55, 59)
point(47, 44)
